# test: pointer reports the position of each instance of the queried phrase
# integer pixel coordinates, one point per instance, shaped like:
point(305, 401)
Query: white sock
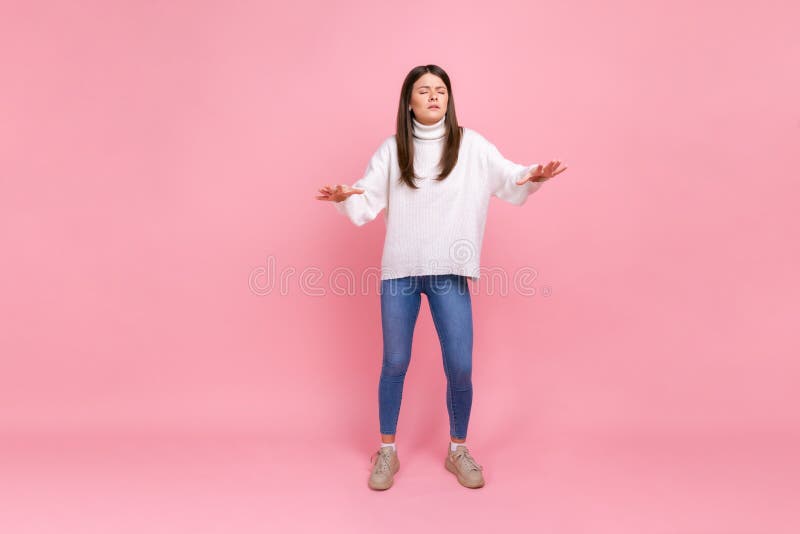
point(392, 445)
point(453, 445)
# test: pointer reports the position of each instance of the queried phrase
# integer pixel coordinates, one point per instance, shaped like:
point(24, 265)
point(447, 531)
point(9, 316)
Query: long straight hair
point(405, 128)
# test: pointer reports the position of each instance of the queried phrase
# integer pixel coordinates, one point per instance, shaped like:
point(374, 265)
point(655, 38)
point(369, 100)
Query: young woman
point(435, 179)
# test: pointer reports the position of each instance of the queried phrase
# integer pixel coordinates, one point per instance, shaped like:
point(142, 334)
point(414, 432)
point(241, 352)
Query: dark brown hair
point(405, 128)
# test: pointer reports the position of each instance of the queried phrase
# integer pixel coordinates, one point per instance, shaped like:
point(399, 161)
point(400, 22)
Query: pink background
point(155, 157)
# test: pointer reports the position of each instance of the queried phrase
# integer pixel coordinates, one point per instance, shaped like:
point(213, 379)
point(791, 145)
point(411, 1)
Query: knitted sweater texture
point(438, 228)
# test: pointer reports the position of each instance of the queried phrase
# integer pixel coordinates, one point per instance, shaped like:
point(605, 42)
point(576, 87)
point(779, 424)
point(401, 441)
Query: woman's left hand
point(541, 174)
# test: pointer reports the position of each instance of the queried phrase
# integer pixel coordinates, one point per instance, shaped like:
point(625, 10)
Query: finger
point(544, 170)
point(556, 173)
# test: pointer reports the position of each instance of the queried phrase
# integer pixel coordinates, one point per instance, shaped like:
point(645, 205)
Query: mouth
point(433, 107)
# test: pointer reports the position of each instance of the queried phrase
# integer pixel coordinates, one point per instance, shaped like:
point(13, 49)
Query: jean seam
point(396, 415)
point(447, 373)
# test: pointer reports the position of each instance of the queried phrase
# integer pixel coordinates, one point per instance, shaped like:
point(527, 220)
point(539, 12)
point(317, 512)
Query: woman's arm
point(503, 175)
point(361, 208)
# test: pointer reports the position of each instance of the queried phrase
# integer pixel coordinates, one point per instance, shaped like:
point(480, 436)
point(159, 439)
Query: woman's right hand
point(338, 193)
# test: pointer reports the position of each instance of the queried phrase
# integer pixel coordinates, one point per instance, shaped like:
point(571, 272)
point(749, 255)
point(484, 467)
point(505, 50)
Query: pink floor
point(567, 483)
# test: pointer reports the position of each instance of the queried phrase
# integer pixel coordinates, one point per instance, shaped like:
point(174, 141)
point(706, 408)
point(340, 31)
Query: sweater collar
point(436, 130)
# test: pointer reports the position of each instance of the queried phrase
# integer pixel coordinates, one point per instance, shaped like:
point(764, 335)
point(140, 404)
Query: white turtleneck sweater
point(438, 228)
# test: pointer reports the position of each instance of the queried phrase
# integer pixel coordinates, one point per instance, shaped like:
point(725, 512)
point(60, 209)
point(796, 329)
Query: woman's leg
point(400, 303)
point(451, 307)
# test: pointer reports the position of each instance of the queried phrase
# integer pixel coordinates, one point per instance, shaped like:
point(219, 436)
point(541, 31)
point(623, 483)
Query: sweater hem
point(388, 273)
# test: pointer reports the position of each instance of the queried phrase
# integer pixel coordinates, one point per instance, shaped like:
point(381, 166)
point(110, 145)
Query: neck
point(436, 130)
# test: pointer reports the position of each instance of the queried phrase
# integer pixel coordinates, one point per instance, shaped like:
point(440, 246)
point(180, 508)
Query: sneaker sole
point(391, 481)
point(452, 468)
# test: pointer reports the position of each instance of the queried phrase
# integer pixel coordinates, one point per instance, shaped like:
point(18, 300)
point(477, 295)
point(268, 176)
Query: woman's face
point(429, 99)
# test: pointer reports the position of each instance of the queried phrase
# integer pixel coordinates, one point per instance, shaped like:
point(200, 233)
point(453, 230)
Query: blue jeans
point(451, 307)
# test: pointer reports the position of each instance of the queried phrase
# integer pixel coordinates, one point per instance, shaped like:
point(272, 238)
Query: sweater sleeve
point(361, 208)
point(503, 175)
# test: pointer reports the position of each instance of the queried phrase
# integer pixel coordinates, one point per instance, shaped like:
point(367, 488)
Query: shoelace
point(467, 460)
point(383, 459)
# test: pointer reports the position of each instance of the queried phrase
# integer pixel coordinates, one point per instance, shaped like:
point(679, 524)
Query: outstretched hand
point(338, 193)
point(540, 174)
